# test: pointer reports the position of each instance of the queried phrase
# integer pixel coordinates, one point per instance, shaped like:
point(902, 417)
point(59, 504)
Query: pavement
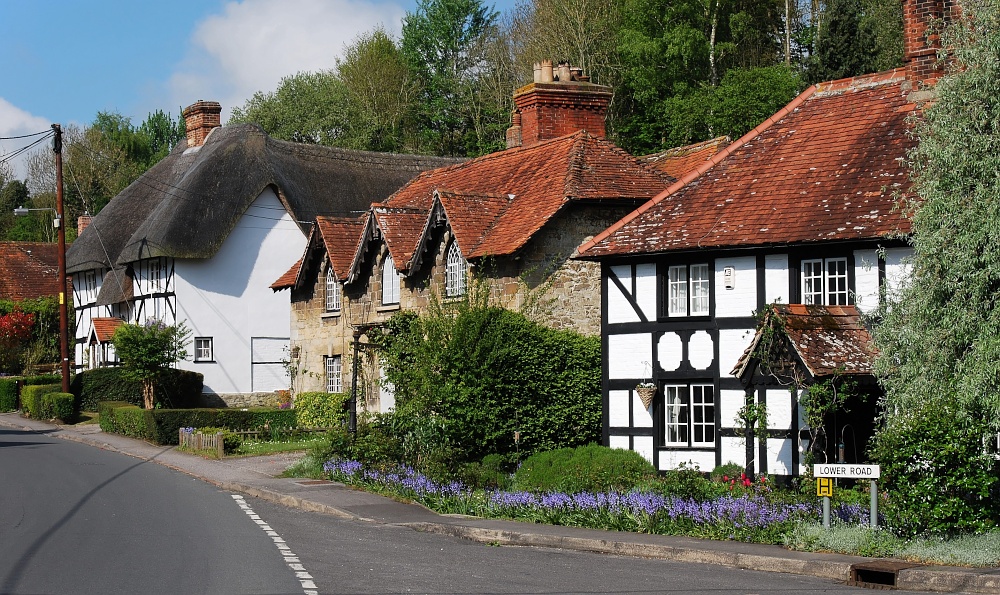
point(258, 477)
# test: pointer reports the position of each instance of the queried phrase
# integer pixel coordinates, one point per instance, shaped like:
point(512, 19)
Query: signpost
point(824, 485)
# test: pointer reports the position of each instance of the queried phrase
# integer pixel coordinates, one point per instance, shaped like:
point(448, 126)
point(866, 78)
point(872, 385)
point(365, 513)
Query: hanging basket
point(646, 394)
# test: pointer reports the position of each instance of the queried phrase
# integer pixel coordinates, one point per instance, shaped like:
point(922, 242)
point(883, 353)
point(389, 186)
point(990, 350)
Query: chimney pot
point(564, 72)
point(537, 72)
point(547, 76)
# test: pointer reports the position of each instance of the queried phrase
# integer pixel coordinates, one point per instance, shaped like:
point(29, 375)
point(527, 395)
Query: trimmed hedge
point(321, 410)
point(31, 399)
point(174, 388)
point(8, 395)
point(161, 426)
point(590, 468)
point(59, 405)
point(42, 379)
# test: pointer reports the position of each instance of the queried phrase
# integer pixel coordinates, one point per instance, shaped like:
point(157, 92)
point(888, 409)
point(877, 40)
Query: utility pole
point(61, 224)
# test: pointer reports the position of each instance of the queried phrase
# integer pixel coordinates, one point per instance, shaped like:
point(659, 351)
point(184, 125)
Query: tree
point(939, 342)
point(381, 89)
point(308, 107)
point(444, 43)
point(146, 350)
point(846, 44)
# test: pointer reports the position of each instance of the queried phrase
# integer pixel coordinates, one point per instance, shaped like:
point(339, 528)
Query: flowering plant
point(645, 385)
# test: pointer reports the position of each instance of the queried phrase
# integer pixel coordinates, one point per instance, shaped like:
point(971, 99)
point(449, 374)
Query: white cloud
point(14, 121)
point(252, 44)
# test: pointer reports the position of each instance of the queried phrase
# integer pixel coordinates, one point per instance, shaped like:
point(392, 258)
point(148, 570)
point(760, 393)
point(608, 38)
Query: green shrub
point(124, 418)
point(493, 472)
point(321, 410)
point(591, 468)
point(31, 400)
point(42, 379)
point(59, 405)
point(689, 482)
point(174, 388)
point(939, 479)
point(8, 395)
point(500, 382)
point(164, 424)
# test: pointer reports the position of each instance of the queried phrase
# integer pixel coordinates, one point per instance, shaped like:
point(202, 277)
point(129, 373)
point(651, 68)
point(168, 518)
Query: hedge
point(8, 395)
point(41, 379)
point(175, 388)
point(59, 405)
point(321, 410)
point(31, 399)
point(161, 426)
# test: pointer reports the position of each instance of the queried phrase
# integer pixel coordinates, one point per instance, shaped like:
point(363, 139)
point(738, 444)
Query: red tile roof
point(104, 328)
point(289, 277)
point(828, 166)
point(681, 160)
point(472, 216)
point(28, 270)
point(402, 228)
point(543, 178)
point(827, 339)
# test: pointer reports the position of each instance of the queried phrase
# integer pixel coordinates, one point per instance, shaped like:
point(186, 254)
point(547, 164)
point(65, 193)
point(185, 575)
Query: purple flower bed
point(747, 517)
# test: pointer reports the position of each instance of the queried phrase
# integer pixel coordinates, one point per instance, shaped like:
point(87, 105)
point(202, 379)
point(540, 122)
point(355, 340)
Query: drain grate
point(878, 574)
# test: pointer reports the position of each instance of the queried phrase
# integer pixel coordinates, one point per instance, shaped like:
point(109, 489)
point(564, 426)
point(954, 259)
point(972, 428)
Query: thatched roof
point(187, 204)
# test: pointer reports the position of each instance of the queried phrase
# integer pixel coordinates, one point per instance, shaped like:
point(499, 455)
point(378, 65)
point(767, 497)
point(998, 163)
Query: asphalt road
point(76, 519)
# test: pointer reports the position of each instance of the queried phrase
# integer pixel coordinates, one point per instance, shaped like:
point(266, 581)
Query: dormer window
point(390, 282)
point(455, 275)
point(332, 291)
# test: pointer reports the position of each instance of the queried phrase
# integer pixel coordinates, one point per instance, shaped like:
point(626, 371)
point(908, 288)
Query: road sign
point(855, 471)
point(824, 486)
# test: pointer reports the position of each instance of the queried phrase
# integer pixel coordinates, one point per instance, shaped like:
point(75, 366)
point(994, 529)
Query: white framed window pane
point(677, 287)
point(155, 275)
point(676, 426)
point(812, 282)
point(390, 282)
point(332, 291)
point(836, 282)
point(203, 349)
point(699, 290)
point(455, 273)
point(703, 414)
point(333, 374)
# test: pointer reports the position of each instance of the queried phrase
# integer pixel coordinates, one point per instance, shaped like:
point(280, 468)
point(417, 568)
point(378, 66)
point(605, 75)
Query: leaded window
point(455, 274)
point(690, 415)
point(390, 282)
point(332, 291)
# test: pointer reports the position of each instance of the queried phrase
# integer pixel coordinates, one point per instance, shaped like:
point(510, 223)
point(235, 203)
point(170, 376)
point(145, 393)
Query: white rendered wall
point(630, 356)
point(866, 280)
point(619, 308)
point(741, 300)
point(776, 278)
point(228, 297)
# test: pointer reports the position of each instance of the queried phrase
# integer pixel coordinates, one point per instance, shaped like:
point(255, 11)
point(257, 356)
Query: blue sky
point(65, 60)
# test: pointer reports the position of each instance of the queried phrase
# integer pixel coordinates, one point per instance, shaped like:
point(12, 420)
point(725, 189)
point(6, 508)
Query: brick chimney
point(923, 21)
point(560, 101)
point(199, 119)
point(82, 222)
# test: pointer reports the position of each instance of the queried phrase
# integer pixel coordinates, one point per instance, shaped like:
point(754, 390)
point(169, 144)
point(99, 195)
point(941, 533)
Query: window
point(690, 415)
point(332, 291)
point(333, 367)
point(89, 284)
point(390, 282)
point(203, 349)
point(688, 290)
point(155, 276)
point(824, 282)
point(454, 284)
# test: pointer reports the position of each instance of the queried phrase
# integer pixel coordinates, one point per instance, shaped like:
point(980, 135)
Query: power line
point(25, 135)
point(10, 156)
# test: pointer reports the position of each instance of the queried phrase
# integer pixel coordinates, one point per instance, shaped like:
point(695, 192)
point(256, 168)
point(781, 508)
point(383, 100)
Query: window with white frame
point(155, 280)
point(90, 284)
point(390, 282)
point(455, 274)
point(690, 415)
point(203, 349)
point(824, 282)
point(333, 364)
point(688, 290)
point(332, 291)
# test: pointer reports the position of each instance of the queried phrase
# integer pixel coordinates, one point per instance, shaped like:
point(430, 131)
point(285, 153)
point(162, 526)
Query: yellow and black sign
point(824, 486)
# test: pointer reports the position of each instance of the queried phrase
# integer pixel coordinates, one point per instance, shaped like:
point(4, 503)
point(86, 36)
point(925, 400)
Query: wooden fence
point(199, 441)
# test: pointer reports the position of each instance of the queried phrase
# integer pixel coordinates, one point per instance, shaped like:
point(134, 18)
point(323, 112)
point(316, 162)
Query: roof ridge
point(861, 81)
point(696, 173)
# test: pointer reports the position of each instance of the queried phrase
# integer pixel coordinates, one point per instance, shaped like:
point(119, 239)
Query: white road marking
point(304, 578)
